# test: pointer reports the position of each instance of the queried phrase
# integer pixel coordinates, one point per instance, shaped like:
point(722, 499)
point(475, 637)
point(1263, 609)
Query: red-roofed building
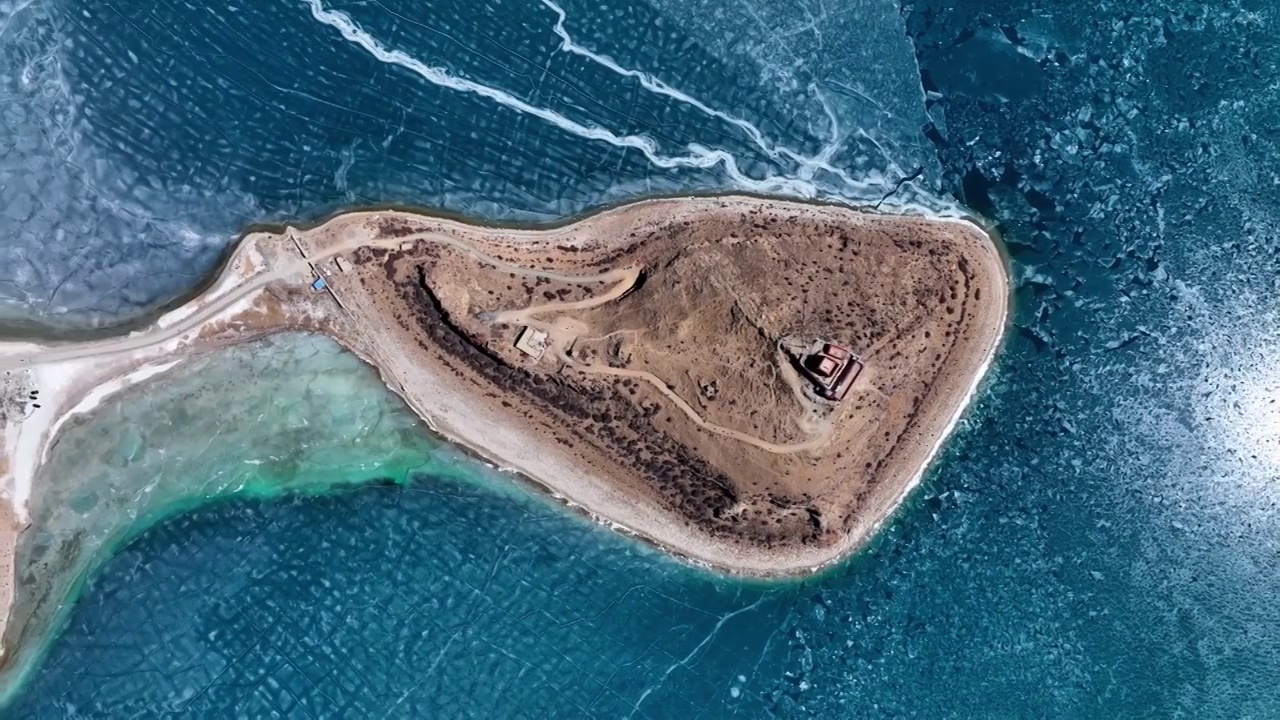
point(832, 370)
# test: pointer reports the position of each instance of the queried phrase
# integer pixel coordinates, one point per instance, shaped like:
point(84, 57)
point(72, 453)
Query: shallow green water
point(289, 414)
point(383, 588)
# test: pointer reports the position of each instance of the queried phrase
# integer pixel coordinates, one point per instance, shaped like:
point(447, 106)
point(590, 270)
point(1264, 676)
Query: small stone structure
point(532, 342)
point(832, 369)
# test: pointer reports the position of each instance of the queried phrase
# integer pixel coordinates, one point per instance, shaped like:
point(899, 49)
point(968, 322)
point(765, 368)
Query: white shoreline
point(971, 394)
point(948, 433)
point(77, 386)
point(507, 447)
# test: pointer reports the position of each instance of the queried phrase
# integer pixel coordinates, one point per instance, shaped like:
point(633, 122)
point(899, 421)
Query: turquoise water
point(1100, 539)
point(305, 417)
point(454, 593)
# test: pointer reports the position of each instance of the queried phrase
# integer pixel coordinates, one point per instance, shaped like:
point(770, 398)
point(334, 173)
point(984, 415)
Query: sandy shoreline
point(499, 439)
point(265, 287)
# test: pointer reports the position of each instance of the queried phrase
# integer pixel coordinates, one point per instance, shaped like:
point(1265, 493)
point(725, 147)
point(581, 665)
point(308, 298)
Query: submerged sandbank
point(303, 416)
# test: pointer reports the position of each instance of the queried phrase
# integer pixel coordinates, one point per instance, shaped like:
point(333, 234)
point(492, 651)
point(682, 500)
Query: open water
point(1102, 538)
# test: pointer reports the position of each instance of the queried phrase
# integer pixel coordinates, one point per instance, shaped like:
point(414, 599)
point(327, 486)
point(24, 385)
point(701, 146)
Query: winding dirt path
point(156, 334)
point(627, 278)
point(775, 448)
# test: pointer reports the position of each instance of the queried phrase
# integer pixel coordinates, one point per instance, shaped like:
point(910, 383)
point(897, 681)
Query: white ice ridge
point(808, 165)
point(699, 157)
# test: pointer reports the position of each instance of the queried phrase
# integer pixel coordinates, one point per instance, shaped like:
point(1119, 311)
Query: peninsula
point(750, 384)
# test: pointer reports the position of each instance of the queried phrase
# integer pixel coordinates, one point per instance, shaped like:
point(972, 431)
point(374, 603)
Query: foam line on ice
point(699, 157)
point(807, 165)
point(653, 84)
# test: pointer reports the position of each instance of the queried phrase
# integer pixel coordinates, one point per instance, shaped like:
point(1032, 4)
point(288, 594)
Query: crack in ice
point(685, 662)
point(653, 84)
point(700, 157)
point(807, 165)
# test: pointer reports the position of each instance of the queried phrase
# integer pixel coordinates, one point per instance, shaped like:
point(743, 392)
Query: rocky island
point(752, 385)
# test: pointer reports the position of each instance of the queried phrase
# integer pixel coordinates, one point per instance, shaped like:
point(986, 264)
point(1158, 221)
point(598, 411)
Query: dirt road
point(156, 335)
point(626, 280)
